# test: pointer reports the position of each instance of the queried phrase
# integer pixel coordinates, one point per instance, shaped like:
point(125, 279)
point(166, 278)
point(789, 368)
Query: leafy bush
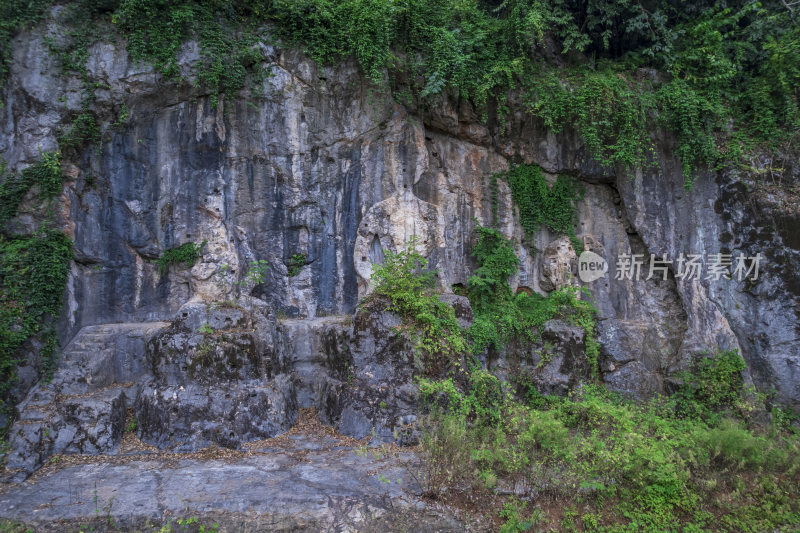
point(187, 253)
point(623, 465)
point(295, 264)
point(711, 384)
point(255, 274)
point(404, 280)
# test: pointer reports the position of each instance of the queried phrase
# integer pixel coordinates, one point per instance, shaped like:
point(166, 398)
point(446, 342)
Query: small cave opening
point(459, 289)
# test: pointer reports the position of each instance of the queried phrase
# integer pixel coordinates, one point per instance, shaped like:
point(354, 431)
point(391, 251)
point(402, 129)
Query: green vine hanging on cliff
point(33, 272)
point(730, 75)
point(540, 204)
point(46, 175)
point(723, 78)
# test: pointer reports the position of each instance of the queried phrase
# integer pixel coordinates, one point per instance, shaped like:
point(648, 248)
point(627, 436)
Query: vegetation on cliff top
point(723, 77)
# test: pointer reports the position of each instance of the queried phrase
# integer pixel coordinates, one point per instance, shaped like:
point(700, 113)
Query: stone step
point(316, 351)
point(89, 423)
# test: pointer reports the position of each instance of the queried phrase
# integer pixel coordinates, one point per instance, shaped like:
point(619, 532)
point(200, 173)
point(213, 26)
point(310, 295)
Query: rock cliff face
point(317, 162)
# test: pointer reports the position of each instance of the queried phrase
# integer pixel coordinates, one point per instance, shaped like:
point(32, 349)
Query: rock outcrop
point(316, 163)
point(220, 375)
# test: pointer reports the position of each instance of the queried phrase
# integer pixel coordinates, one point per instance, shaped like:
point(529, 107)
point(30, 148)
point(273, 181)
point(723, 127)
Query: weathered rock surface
point(380, 397)
point(221, 375)
point(320, 164)
point(216, 377)
point(83, 408)
point(301, 483)
point(558, 264)
point(318, 352)
point(555, 364)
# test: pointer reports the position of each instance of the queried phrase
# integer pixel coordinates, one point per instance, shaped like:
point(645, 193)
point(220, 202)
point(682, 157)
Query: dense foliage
point(295, 264)
point(609, 464)
point(33, 274)
point(33, 271)
point(540, 204)
point(501, 315)
point(723, 77)
point(409, 286)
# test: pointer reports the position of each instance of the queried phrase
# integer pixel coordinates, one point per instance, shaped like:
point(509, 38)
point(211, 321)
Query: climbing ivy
point(33, 274)
point(541, 205)
point(46, 175)
point(227, 37)
point(605, 105)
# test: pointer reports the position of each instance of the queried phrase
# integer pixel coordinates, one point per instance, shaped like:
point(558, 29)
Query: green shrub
point(624, 465)
point(187, 253)
point(711, 384)
point(295, 264)
point(405, 282)
point(541, 205)
point(255, 274)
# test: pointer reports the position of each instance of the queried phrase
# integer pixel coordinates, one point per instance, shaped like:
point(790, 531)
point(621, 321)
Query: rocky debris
point(300, 482)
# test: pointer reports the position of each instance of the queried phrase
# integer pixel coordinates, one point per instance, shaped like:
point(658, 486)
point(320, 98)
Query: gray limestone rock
point(316, 163)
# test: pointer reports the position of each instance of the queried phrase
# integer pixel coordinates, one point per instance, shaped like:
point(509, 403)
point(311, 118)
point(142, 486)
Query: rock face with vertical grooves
point(316, 164)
